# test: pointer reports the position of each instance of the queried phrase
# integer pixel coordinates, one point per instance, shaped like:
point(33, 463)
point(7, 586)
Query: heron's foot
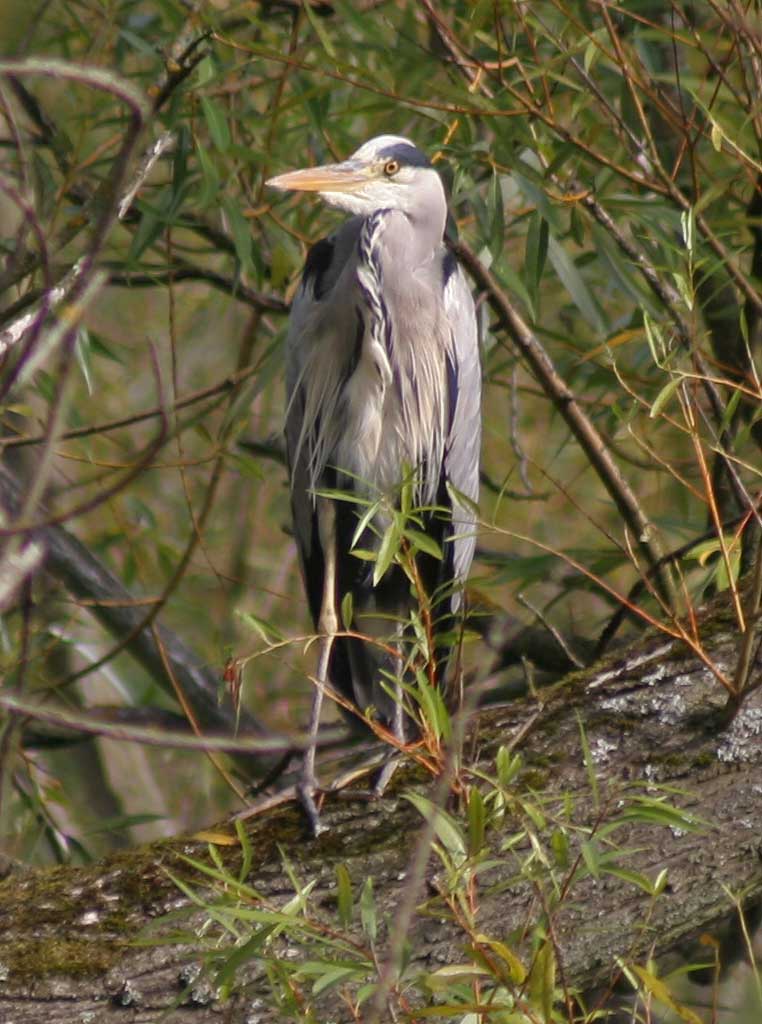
point(305, 791)
point(384, 776)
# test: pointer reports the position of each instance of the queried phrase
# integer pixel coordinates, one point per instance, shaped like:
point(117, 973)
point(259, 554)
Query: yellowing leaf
point(516, 968)
point(217, 838)
point(662, 994)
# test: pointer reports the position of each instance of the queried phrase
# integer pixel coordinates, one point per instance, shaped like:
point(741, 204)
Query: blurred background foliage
point(602, 163)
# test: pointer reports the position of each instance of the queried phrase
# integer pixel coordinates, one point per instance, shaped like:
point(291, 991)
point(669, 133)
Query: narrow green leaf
point(244, 954)
point(542, 980)
point(537, 818)
point(406, 496)
point(246, 850)
point(477, 816)
point(344, 895)
point(364, 521)
point(559, 844)
point(661, 992)
point(364, 554)
point(496, 220)
point(462, 499)
point(101, 349)
point(664, 396)
point(621, 272)
point(148, 230)
point(433, 707)
point(368, 917)
point(334, 975)
point(210, 179)
point(655, 340)
point(572, 280)
point(516, 969)
point(351, 497)
point(205, 72)
point(590, 855)
point(730, 409)
point(216, 122)
point(270, 634)
point(508, 277)
point(390, 545)
point(536, 253)
point(508, 766)
point(445, 977)
point(633, 877)
point(592, 51)
point(241, 232)
point(685, 287)
point(660, 882)
point(659, 813)
point(347, 610)
point(140, 44)
point(423, 542)
point(445, 826)
point(244, 891)
point(183, 145)
point(421, 638)
point(319, 31)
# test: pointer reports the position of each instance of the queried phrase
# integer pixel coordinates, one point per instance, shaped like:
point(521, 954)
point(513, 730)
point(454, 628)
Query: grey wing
point(315, 301)
point(325, 262)
point(298, 343)
point(461, 462)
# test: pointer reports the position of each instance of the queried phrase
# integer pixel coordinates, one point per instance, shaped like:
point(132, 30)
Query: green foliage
point(504, 837)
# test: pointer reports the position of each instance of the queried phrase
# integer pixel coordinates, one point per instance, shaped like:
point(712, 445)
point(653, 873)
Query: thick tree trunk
point(651, 717)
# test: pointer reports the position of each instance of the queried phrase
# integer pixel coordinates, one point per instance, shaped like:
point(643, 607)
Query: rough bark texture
point(651, 716)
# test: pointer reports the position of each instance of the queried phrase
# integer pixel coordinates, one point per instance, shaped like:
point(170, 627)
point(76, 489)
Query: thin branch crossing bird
point(383, 384)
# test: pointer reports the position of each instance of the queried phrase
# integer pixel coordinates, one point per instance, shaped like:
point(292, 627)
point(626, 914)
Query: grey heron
point(383, 378)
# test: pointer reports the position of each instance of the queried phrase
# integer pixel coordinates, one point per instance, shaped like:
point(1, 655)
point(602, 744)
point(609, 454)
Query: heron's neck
point(412, 235)
point(427, 218)
point(410, 240)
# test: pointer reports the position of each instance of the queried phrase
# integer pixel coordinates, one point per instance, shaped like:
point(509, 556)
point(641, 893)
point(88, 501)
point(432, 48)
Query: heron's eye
point(391, 167)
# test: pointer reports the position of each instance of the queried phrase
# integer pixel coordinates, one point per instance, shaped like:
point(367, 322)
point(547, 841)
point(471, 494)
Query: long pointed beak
point(344, 177)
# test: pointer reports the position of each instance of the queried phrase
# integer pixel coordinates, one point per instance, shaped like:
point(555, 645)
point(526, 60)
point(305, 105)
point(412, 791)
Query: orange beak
point(345, 177)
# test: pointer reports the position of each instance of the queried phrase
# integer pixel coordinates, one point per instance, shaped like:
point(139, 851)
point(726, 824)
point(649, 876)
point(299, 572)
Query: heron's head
point(387, 173)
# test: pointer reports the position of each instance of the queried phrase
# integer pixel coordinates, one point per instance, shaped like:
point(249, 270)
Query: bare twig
point(98, 724)
point(162, 145)
point(184, 271)
point(523, 599)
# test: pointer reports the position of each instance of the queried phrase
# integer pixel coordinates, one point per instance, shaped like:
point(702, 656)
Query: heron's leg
point(398, 719)
point(328, 626)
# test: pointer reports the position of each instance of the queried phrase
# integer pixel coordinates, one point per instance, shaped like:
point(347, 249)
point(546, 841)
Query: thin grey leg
point(328, 626)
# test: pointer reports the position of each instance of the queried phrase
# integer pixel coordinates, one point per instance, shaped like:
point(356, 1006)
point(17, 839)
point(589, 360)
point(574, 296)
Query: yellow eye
point(390, 168)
